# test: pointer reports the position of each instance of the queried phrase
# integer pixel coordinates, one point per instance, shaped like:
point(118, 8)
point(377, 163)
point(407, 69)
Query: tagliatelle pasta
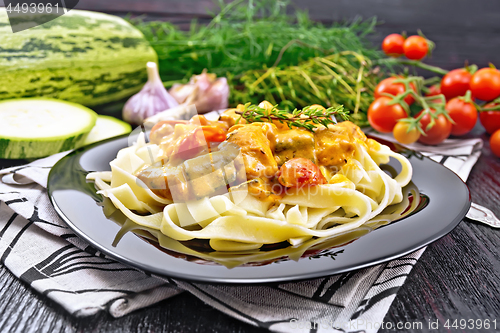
point(176, 194)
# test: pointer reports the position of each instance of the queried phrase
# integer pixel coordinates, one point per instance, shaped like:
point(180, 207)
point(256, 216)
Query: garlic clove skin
point(181, 92)
point(204, 81)
point(206, 91)
point(152, 99)
point(215, 98)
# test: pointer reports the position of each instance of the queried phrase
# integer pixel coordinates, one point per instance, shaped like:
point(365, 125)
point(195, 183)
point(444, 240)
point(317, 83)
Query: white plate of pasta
point(246, 200)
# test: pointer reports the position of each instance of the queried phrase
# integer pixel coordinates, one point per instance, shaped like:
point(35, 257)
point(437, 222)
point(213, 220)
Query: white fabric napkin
point(37, 247)
point(458, 155)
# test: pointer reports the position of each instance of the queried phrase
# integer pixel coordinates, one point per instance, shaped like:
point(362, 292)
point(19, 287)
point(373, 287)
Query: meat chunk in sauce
point(167, 182)
point(231, 117)
point(264, 147)
point(352, 130)
point(256, 142)
point(336, 144)
point(294, 143)
point(198, 177)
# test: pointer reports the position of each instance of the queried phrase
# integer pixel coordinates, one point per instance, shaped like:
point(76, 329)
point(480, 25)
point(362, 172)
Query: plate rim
point(236, 281)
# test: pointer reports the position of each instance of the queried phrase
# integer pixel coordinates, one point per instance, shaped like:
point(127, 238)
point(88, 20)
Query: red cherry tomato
point(434, 90)
point(495, 143)
point(382, 116)
point(437, 133)
point(389, 87)
point(415, 47)
point(485, 84)
point(490, 119)
point(455, 83)
point(393, 45)
point(463, 114)
point(299, 172)
point(198, 140)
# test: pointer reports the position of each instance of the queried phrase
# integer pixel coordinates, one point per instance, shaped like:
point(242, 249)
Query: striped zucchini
point(83, 57)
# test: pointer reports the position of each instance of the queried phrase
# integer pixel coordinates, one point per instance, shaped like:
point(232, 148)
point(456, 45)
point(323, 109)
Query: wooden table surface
point(458, 276)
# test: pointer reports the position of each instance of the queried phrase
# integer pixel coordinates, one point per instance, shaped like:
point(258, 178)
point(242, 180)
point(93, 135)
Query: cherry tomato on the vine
point(434, 90)
point(382, 116)
point(495, 143)
point(437, 133)
point(485, 84)
point(455, 83)
point(404, 136)
point(389, 87)
point(393, 45)
point(464, 115)
point(415, 47)
point(490, 119)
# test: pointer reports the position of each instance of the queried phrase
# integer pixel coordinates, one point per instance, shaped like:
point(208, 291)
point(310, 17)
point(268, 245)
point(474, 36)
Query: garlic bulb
point(205, 91)
point(152, 99)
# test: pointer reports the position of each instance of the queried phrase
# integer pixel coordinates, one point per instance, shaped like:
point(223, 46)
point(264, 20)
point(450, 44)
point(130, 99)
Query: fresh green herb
point(250, 34)
point(345, 78)
point(309, 117)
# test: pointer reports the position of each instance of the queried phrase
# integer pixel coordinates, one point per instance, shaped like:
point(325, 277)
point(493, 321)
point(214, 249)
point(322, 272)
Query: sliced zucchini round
point(107, 127)
point(38, 127)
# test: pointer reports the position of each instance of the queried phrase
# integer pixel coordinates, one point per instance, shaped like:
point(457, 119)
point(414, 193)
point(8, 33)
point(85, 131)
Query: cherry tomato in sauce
point(198, 140)
point(299, 172)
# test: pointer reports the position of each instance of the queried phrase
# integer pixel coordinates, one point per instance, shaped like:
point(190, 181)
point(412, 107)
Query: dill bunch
point(346, 78)
point(251, 34)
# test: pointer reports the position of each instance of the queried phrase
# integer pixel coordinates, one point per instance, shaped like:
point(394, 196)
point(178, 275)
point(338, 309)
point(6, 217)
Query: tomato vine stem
point(414, 63)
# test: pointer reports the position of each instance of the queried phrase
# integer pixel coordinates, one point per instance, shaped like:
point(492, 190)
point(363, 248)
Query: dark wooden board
point(462, 30)
point(458, 277)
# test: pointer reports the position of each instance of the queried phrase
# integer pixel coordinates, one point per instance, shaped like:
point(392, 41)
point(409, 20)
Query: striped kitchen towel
point(37, 247)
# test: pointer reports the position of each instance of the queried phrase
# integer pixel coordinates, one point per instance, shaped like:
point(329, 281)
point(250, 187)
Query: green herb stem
point(413, 63)
point(308, 118)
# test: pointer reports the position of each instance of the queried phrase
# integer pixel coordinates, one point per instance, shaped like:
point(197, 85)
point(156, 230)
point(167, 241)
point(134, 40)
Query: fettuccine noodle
point(153, 185)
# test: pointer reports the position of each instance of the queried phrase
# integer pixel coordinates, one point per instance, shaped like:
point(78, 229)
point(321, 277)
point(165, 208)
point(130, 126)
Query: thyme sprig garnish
point(308, 118)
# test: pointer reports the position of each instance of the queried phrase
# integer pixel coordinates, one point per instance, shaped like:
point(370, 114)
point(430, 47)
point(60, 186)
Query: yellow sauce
point(265, 147)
